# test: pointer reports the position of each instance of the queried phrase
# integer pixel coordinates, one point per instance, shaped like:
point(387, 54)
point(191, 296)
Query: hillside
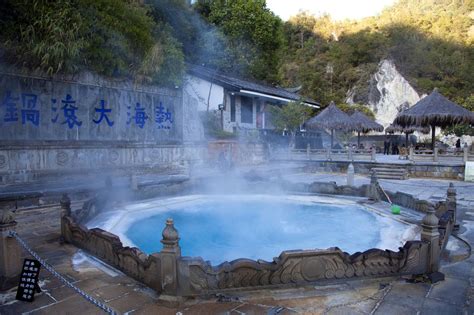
point(429, 41)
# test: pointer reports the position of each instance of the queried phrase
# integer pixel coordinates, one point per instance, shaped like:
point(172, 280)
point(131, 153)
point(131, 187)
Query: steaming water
point(226, 228)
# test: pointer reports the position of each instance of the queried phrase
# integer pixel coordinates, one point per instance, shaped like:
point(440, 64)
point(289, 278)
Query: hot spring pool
point(224, 228)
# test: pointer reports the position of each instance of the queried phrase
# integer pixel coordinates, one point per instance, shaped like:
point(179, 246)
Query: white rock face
point(451, 140)
point(392, 93)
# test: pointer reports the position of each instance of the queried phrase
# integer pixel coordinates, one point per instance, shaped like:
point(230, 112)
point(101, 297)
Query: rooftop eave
point(278, 98)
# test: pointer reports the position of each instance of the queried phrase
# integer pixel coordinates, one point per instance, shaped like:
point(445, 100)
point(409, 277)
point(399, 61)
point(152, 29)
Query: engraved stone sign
point(28, 280)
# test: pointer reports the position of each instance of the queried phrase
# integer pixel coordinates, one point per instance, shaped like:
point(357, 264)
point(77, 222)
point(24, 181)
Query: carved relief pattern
point(113, 156)
point(109, 248)
point(3, 161)
point(306, 266)
point(62, 158)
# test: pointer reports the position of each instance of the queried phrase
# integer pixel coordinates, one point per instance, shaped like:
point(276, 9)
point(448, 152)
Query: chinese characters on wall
point(25, 109)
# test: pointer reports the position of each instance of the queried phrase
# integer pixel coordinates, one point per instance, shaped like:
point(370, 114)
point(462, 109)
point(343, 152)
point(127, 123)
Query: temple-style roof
point(247, 87)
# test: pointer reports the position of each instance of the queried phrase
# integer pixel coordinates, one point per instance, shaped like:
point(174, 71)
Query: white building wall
point(200, 89)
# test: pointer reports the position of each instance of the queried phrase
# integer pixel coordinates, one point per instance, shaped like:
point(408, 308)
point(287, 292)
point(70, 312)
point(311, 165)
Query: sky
point(338, 9)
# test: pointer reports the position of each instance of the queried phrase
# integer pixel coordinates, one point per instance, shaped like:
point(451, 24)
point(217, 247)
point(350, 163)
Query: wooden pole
point(332, 138)
point(433, 131)
point(358, 139)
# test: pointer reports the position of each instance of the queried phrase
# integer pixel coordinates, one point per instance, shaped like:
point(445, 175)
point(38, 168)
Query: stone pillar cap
point(170, 234)
point(430, 219)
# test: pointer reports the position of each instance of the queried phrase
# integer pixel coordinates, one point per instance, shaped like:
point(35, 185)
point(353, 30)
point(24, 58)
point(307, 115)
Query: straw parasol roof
point(435, 110)
point(331, 118)
point(408, 129)
point(364, 124)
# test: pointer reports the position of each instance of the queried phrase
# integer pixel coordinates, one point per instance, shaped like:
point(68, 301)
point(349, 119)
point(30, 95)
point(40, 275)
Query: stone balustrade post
point(435, 154)
point(411, 152)
point(170, 254)
point(10, 251)
point(451, 204)
point(373, 188)
point(430, 234)
point(328, 154)
point(65, 204)
point(308, 151)
point(373, 154)
point(349, 154)
point(350, 175)
point(465, 157)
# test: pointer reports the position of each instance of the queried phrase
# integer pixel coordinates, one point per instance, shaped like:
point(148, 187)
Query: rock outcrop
point(387, 93)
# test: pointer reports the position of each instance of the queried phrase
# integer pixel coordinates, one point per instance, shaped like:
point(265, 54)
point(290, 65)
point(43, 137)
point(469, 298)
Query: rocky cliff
point(387, 93)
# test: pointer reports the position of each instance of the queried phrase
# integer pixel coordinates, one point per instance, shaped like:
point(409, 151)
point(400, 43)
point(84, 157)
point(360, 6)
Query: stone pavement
point(40, 227)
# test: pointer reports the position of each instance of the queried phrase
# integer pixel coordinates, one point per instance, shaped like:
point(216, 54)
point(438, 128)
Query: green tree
point(116, 38)
point(254, 35)
point(42, 35)
point(463, 129)
point(290, 117)
point(430, 41)
point(350, 109)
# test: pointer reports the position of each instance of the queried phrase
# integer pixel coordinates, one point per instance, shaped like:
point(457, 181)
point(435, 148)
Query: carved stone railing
point(172, 275)
point(109, 248)
point(460, 156)
point(331, 154)
point(306, 266)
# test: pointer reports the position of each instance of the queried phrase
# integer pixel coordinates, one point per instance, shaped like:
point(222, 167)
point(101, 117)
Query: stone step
point(379, 175)
point(391, 173)
point(394, 170)
point(392, 177)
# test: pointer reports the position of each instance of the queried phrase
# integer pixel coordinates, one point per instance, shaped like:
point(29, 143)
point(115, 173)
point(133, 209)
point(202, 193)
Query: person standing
point(386, 146)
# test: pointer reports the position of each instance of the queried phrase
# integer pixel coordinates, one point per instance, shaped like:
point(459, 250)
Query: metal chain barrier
point(48, 267)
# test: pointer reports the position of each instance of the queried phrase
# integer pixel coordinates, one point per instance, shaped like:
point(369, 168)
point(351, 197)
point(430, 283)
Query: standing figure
point(386, 146)
point(394, 148)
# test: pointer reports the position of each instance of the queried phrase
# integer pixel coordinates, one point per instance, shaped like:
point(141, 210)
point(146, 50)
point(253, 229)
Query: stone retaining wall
point(26, 161)
point(66, 125)
point(365, 167)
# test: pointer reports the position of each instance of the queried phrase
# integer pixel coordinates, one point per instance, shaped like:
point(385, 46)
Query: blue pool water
point(259, 229)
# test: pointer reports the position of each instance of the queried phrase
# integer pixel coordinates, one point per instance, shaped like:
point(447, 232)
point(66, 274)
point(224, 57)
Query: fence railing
point(437, 155)
point(328, 154)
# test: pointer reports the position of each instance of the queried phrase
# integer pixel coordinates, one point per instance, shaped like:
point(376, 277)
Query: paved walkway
point(40, 227)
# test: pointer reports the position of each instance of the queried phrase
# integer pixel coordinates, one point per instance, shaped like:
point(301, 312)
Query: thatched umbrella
point(331, 118)
point(406, 130)
point(364, 124)
point(435, 110)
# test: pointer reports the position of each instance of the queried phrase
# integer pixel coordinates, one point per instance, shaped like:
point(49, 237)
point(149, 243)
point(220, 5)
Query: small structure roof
point(363, 123)
point(435, 110)
point(408, 129)
point(331, 118)
point(248, 87)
